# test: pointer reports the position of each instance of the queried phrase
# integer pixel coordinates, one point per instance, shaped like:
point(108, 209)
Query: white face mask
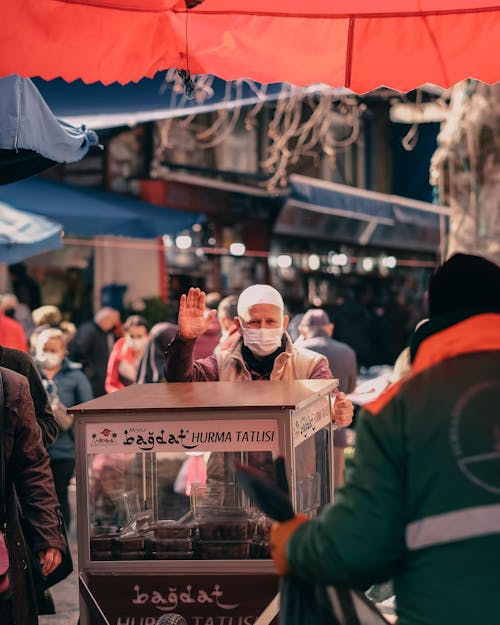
point(263, 341)
point(138, 345)
point(49, 360)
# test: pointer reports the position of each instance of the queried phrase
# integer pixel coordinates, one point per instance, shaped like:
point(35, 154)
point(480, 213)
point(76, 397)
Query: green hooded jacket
point(422, 505)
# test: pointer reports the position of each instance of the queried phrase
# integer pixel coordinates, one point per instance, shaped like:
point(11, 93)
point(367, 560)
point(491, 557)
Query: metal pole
point(92, 604)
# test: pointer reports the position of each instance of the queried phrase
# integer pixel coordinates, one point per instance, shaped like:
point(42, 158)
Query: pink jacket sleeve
point(113, 382)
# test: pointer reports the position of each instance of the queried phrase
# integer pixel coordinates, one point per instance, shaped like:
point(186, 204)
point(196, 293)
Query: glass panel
point(174, 505)
point(312, 469)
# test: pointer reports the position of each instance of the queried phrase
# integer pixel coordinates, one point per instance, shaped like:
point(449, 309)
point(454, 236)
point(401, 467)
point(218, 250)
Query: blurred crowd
point(115, 352)
point(109, 352)
point(106, 353)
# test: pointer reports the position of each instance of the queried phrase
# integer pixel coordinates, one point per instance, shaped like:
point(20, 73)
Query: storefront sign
point(157, 436)
point(200, 599)
point(307, 422)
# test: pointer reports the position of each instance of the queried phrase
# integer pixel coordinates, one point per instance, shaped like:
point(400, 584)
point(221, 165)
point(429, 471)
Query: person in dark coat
point(28, 479)
point(26, 289)
point(21, 362)
point(316, 331)
point(352, 326)
point(92, 347)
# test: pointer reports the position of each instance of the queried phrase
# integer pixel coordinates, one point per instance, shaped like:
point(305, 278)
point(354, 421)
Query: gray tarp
point(26, 122)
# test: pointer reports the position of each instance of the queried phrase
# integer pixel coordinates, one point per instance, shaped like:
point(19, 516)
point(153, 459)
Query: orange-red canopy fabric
point(360, 44)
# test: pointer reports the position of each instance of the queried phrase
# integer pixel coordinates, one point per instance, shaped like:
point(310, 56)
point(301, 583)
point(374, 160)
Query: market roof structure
point(336, 212)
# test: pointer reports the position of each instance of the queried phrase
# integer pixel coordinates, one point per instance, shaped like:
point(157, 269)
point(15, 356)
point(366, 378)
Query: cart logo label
point(103, 438)
point(158, 436)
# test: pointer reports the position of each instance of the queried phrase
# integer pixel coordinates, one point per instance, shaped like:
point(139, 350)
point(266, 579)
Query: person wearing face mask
point(264, 350)
point(126, 354)
point(66, 386)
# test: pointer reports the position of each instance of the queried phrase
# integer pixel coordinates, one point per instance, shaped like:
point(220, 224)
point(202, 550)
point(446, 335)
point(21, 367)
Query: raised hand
point(193, 318)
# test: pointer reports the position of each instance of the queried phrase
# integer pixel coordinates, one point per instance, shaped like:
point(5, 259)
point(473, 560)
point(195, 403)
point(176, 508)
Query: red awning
point(360, 44)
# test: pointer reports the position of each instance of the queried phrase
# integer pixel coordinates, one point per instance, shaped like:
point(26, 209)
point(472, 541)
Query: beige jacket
point(292, 364)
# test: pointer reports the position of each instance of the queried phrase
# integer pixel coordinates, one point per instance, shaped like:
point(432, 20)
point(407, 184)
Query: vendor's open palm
point(193, 318)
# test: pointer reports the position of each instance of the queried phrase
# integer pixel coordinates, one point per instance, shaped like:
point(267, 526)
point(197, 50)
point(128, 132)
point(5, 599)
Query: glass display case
point(162, 521)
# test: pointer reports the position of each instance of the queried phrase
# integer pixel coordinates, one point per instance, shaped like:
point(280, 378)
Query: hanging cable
point(185, 74)
point(410, 140)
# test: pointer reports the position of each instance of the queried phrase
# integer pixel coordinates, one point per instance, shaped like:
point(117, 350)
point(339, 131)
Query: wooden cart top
point(192, 396)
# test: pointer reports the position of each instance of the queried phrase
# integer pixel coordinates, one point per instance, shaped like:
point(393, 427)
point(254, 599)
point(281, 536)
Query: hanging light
point(367, 264)
point(284, 261)
point(389, 262)
point(314, 262)
point(184, 241)
point(335, 271)
point(339, 260)
point(237, 249)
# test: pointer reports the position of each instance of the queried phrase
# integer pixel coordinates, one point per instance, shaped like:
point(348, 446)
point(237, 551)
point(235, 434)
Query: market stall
point(163, 526)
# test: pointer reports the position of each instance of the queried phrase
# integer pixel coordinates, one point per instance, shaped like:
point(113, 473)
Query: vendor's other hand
point(343, 410)
point(193, 318)
point(50, 559)
point(278, 540)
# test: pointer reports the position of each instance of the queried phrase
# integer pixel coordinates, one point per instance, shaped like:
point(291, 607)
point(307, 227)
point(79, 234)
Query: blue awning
point(156, 98)
point(88, 212)
point(339, 213)
point(27, 122)
point(23, 235)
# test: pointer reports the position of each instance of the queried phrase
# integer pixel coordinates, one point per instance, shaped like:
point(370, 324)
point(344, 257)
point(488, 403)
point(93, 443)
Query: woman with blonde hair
point(66, 385)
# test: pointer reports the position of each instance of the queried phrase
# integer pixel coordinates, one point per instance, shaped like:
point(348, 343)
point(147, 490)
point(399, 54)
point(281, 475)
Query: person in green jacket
point(422, 505)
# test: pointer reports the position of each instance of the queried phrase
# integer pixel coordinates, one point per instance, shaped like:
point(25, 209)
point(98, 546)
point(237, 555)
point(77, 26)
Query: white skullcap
point(258, 294)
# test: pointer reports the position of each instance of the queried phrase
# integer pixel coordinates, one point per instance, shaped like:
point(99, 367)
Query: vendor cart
point(163, 526)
